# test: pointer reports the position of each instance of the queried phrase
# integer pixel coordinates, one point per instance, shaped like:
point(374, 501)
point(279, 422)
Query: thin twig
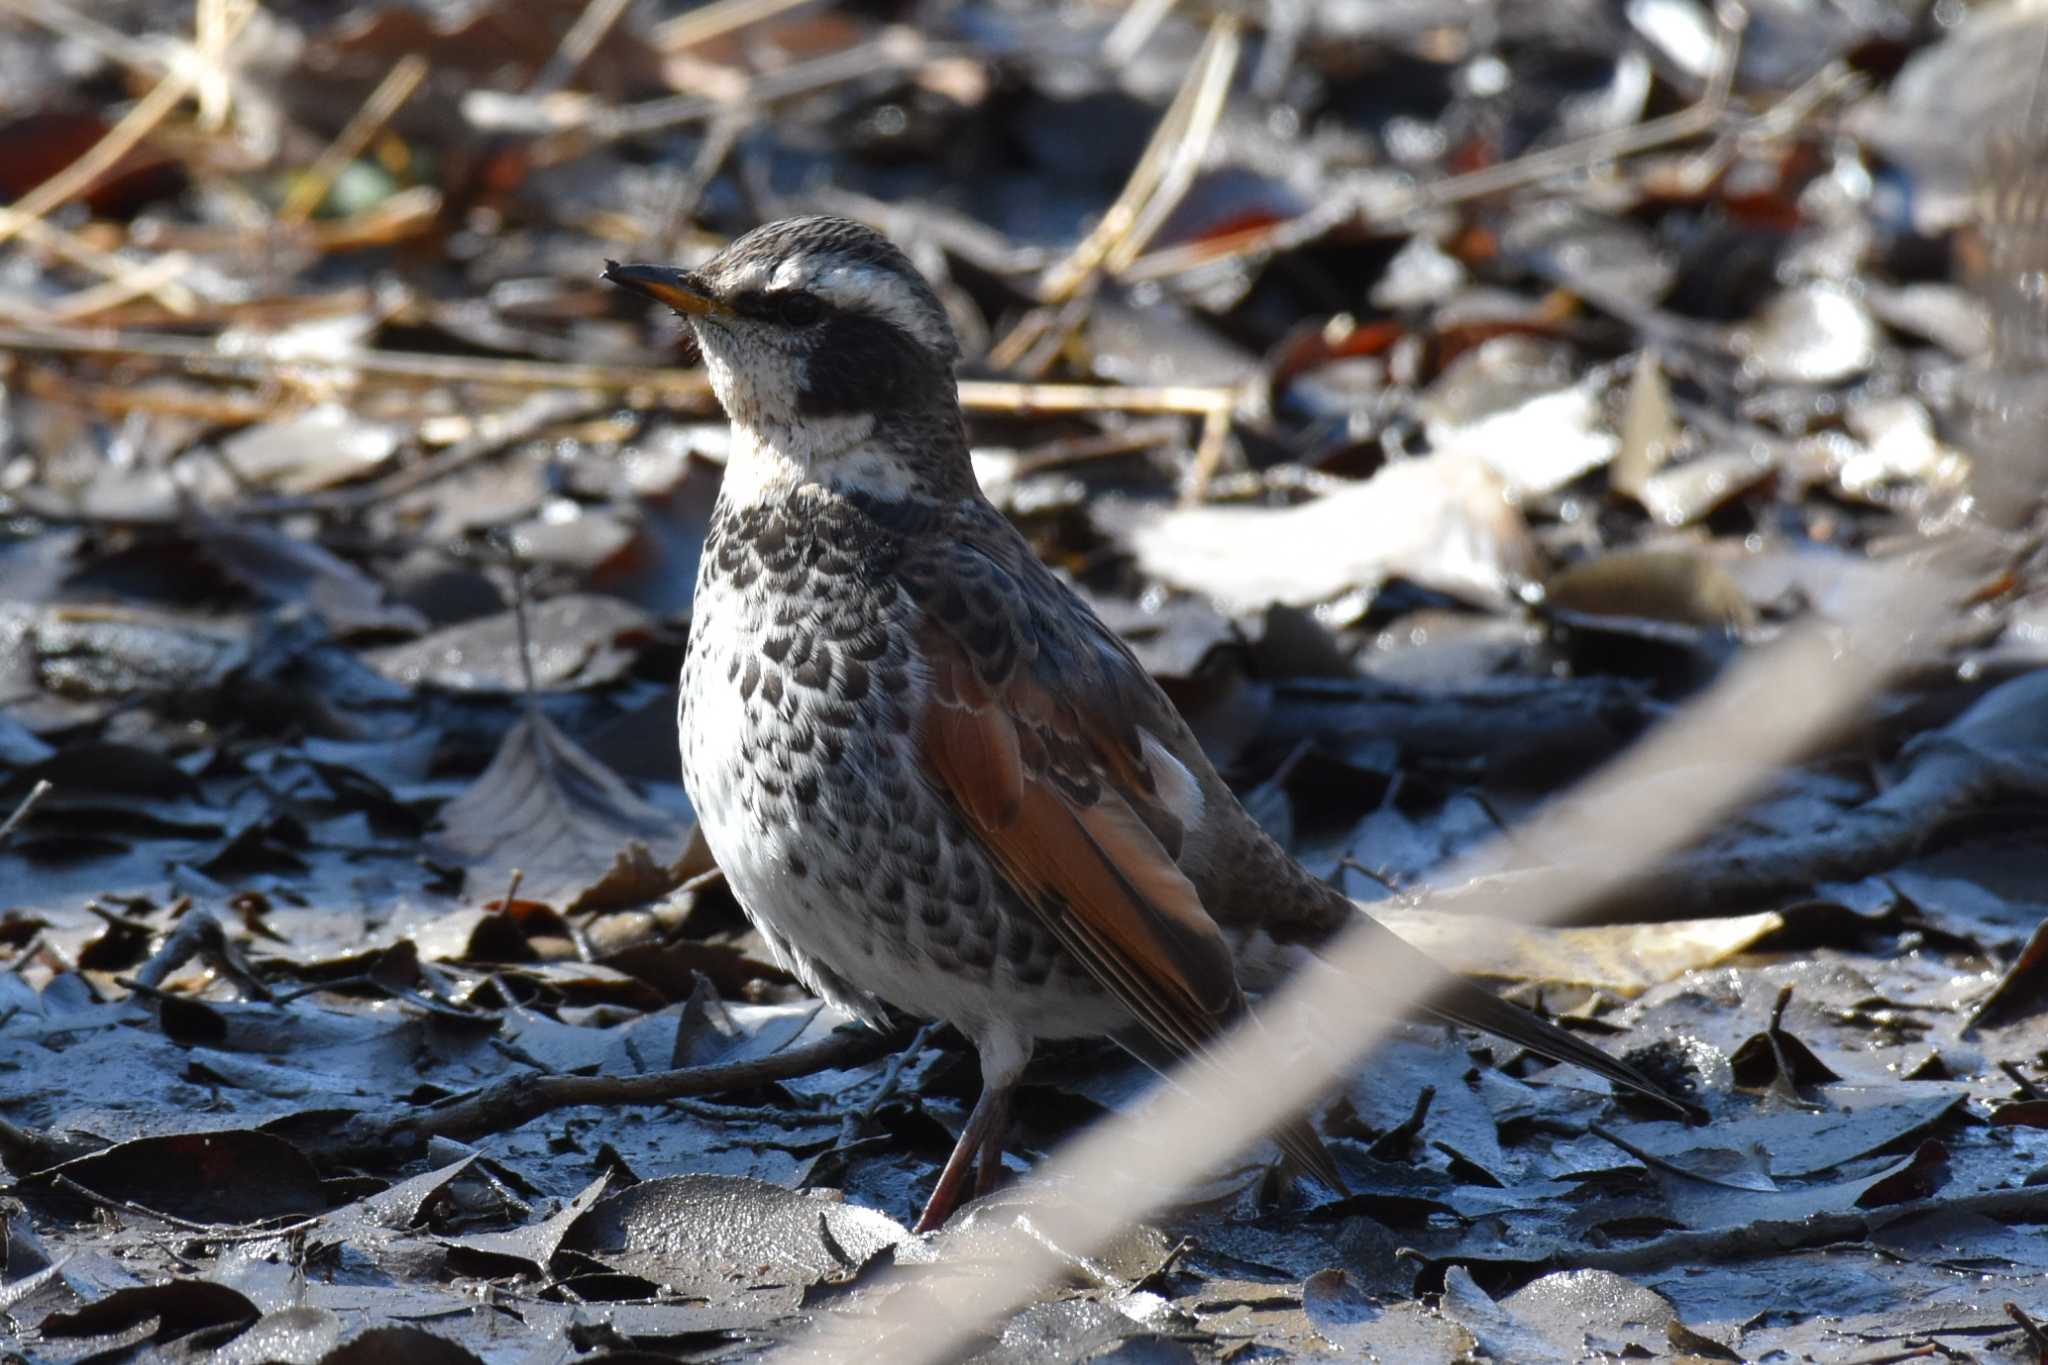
point(214, 1232)
point(2037, 1339)
point(144, 59)
point(715, 20)
point(1215, 66)
point(21, 959)
point(204, 357)
point(577, 44)
point(505, 1105)
point(493, 434)
point(2025, 1203)
point(993, 395)
point(2028, 1090)
point(855, 1122)
point(1133, 439)
point(158, 280)
point(71, 247)
point(391, 93)
point(1029, 348)
point(100, 158)
point(215, 407)
point(1385, 880)
point(1209, 451)
point(391, 219)
point(1219, 52)
point(894, 51)
point(710, 876)
point(891, 1075)
point(720, 137)
point(1579, 156)
point(41, 789)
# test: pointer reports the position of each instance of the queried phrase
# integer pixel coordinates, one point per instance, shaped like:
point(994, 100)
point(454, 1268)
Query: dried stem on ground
point(498, 1108)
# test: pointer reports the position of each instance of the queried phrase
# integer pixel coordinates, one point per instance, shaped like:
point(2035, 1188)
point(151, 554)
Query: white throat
point(837, 452)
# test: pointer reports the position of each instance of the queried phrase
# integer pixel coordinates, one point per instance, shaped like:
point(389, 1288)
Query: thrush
point(934, 779)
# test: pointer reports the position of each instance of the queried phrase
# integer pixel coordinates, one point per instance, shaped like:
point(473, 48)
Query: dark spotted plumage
point(798, 699)
point(934, 779)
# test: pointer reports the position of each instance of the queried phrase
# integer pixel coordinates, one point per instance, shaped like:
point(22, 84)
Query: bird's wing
point(1027, 732)
point(1038, 734)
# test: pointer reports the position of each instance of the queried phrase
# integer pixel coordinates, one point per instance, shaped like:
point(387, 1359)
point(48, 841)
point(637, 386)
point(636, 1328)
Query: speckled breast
point(799, 715)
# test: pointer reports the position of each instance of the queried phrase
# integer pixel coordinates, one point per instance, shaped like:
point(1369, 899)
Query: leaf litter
point(1439, 397)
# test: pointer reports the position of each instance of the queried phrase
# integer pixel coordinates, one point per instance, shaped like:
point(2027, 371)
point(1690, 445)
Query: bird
point(934, 779)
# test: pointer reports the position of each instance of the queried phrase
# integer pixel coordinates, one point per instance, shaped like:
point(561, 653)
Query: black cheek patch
point(863, 364)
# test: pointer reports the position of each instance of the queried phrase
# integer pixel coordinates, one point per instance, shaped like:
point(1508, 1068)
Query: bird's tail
point(1461, 1002)
point(1453, 998)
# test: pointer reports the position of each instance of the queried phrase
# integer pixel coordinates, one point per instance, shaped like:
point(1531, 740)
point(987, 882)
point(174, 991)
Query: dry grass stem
point(154, 279)
point(577, 44)
point(895, 50)
point(1210, 448)
point(993, 395)
point(139, 279)
point(715, 20)
point(1217, 64)
point(1574, 158)
point(215, 25)
point(119, 140)
point(391, 93)
point(671, 385)
point(21, 812)
point(1177, 127)
point(204, 357)
point(1141, 19)
point(142, 58)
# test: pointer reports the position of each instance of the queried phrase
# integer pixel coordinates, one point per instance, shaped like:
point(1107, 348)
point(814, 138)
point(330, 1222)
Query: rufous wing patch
point(978, 753)
point(1097, 862)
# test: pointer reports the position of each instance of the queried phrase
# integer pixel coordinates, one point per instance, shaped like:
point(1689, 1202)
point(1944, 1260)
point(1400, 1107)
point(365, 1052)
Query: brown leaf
point(1625, 958)
point(548, 810)
point(227, 1176)
point(1672, 586)
point(634, 878)
point(2022, 989)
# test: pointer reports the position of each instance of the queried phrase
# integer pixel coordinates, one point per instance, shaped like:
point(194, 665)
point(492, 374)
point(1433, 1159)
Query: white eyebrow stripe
point(752, 275)
point(793, 273)
point(863, 288)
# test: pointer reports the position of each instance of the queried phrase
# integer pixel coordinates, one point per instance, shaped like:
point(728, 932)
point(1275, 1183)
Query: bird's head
point(820, 337)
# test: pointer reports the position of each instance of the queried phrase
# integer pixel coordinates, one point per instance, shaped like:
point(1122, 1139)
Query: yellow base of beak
point(679, 289)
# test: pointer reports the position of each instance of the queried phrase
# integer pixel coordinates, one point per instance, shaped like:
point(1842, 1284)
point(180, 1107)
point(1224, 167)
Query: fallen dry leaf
point(548, 810)
point(1442, 520)
point(1625, 958)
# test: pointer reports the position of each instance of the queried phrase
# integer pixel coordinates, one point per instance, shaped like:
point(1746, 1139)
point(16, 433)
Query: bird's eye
point(796, 309)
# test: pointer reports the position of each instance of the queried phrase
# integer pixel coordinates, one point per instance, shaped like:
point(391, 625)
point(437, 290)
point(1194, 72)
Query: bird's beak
point(679, 289)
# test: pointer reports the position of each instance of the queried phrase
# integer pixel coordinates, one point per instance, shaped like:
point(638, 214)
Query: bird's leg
point(981, 1138)
point(1003, 1054)
point(993, 1139)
